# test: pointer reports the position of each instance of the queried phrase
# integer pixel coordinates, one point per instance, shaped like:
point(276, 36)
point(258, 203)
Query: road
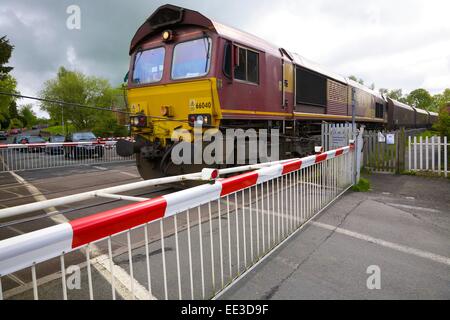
point(402, 227)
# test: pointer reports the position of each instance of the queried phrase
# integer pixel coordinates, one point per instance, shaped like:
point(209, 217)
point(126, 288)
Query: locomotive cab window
point(191, 58)
point(148, 66)
point(227, 60)
point(247, 65)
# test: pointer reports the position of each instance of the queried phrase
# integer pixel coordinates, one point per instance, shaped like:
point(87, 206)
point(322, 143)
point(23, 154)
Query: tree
point(395, 94)
point(419, 98)
point(443, 123)
point(439, 100)
point(7, 82)
point(75, 87)
point(354, 78)
point(27, 115)
point(15, 123)
point(5, 54)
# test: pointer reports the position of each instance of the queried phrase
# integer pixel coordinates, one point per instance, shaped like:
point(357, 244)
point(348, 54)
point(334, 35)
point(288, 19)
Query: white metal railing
point(428, 154)
point(189, 244)
point(17, 157)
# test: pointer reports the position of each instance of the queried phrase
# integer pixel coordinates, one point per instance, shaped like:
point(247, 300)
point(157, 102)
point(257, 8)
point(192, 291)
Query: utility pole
point(354, 137)
point(353, 110)
point(62, 120)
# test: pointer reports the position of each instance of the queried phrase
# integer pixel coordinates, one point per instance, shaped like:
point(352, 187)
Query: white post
point(409, 153)
point(432, 153)
point(359, 156)
point(439, 155)
point(415, 153)
point(420, 153)
point(445, 156)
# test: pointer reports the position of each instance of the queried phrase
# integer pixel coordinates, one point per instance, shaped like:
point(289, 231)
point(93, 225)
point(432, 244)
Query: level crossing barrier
point(190, 244)
point(19, 157)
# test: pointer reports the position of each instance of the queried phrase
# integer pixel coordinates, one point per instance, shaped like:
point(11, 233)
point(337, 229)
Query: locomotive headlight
point(199, 119)
point(138, 121)
point(167, 35)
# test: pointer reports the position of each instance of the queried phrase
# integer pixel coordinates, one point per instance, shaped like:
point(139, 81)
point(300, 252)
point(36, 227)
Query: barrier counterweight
point(189, 244)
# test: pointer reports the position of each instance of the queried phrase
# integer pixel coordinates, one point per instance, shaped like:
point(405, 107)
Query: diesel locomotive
point(187, 69)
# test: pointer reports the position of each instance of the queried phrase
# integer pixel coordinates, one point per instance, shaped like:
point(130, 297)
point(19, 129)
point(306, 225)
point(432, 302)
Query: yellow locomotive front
point(171, 87)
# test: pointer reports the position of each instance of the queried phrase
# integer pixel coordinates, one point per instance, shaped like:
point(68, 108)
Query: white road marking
point(405, 206)
point(13, 193)
point(15, 230)
point(387, 244)
point(130, 174)
point(119, 274)
point(100, 168)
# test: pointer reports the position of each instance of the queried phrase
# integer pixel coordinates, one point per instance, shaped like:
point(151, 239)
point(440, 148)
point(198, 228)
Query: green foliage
point(363, 185)
point(440, 100)
point(59, 130)
point(443, 124)
point(428, 134)
point(15, 123)
point(8, 85)
point(75, 87)
point(5, 54)
point(395, 94)
point(354, 78)
point(27, 116)
point(419, 98)
point(7, 82)
point(109, 127)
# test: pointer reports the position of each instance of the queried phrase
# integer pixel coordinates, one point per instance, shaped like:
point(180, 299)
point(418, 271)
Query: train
point(187, 69)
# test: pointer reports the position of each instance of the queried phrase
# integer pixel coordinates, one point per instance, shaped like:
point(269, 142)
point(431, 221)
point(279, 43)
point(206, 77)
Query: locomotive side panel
point(400, 115)
point(421, 118)
point(337, 98)
point(258, 94)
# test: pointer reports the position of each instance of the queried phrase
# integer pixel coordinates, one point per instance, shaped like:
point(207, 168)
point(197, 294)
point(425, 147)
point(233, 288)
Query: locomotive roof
point(364, 88)
point(421, 110)
point(168, 15)
point(308, 64)
point(400, 104)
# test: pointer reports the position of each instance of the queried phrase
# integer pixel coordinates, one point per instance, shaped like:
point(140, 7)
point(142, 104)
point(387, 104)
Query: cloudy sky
point(394, 44)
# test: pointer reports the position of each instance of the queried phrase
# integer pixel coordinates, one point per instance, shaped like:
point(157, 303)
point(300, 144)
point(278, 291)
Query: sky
point(391, 43)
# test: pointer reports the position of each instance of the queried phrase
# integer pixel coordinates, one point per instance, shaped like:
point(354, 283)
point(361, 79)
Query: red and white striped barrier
point(24, 250)
point(54, 144)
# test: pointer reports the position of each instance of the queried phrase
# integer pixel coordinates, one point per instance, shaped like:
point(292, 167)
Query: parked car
point(83, 150)
point(51, 149)
point(3, 135)
point(39, 141)
point(15, 131)
point(18, 139)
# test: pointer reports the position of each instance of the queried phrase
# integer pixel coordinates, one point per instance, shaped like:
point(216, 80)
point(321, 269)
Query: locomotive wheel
point(148, 169)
